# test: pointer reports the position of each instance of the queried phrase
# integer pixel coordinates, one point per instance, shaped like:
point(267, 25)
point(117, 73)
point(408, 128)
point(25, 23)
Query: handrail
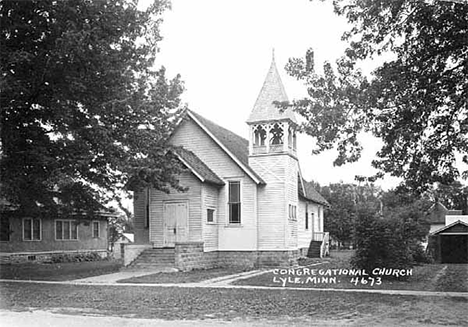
point(325, 246)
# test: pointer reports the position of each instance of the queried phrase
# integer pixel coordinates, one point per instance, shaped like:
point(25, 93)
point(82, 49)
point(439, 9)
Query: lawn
point(193, 276)
point(430, 277)
point(292, 307)
point(58, 271)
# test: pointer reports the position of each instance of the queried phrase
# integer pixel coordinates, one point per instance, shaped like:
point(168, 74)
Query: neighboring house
point(125, 238)
point(31, 238)
point(246, 201)
point(436, 216)
point(448, 235)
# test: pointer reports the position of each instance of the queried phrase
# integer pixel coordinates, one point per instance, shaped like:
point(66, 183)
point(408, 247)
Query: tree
point(83, 113)
point(416, 102)
point(118, 225)
point(344, 199)
point(453, 196)
point(391, 236)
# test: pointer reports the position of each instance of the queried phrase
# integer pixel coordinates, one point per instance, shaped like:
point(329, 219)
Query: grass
point(434, 277)
point(193, 276)
point(57, 271)
point(360, 309)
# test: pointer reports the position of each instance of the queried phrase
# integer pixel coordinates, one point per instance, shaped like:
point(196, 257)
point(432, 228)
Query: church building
point(246, 202)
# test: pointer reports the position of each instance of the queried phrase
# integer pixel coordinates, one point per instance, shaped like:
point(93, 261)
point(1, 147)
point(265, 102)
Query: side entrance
point(175, 223)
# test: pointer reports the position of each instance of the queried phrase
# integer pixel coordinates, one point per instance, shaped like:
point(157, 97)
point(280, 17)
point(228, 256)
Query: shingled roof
point(235, 144)
point(197, 166)
point(272, 90)
point(437, 213)
point(312, 194)
point(239, 148)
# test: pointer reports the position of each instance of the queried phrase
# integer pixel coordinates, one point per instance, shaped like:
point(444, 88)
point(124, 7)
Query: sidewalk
point(114, 277)
point(229, 286)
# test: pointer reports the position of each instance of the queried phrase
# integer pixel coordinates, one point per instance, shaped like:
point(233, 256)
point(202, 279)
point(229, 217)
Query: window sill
point(32, 240)
point(72, 240)
point(211, 223)
point(233, 225)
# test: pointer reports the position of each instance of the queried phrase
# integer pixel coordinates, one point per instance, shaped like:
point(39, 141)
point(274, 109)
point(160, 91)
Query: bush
point(75, 257)
point(418, 254)
point(380, 243)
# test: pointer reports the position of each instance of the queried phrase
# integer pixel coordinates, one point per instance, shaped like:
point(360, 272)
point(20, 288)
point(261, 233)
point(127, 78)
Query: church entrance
point(175, 223)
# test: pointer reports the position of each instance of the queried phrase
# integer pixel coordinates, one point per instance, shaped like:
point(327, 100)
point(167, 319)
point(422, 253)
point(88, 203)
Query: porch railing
point(323, 237)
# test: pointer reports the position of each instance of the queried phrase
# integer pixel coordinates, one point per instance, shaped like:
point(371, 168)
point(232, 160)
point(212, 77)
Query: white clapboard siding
point(230, 237)
point(292, 197)
point(210, 196)
point(241, 236)
point(192, 196)
point(304, 236)
point(275, 230)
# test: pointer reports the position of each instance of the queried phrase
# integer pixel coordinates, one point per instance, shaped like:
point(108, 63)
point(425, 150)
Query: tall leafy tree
point(453, 196)
point(83, 114)
point(415, 102)
point(345, 199)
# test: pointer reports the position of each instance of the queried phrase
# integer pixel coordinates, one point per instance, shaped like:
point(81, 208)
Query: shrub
point(76, 257)
point(380, 243)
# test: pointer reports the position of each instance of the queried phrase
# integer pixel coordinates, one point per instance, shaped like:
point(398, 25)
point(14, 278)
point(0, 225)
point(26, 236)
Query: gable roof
point(234, 145)
point(198, 167)
point(437, 213)
point(457, 227)
point(272, 90)
point(312, 194)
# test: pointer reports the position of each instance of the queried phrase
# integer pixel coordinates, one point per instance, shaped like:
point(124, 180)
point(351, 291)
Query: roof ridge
point(218, 125)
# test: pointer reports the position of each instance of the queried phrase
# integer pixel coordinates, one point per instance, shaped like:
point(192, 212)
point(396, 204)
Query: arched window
point(276, 134)
point(259, 136)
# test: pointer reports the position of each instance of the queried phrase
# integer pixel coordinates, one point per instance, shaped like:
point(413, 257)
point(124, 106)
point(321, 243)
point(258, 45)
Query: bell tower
point(272, 154)
point(272, 130)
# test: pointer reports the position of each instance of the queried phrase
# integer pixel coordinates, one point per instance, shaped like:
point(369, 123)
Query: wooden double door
point(175, 223)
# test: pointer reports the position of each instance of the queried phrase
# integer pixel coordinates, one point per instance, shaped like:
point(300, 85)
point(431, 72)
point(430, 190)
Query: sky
point(223, 49)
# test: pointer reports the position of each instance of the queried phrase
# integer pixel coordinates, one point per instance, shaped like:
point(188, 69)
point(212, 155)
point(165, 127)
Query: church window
point(210, 214)
point(292, 212)
point(259, 136)
point(276, 134)
point(234, 202)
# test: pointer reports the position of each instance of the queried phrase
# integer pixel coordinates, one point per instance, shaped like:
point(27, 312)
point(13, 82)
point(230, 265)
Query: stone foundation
point(13, 258)
point(190, 255)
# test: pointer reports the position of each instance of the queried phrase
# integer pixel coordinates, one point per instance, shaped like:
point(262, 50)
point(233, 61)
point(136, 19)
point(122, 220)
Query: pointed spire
point(272, 90)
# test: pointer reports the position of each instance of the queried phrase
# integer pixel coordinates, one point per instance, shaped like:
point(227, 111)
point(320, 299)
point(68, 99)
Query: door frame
point(186, 202)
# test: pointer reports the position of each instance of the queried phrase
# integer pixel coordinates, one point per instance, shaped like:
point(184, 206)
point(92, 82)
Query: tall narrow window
point(306, 217)
point(95, 229)
point(234, 203)
point(31, 229)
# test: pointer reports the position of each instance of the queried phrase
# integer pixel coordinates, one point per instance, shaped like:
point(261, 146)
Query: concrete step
point(153, 258)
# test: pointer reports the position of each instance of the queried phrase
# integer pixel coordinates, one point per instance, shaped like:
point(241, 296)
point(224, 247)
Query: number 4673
point(366, 280)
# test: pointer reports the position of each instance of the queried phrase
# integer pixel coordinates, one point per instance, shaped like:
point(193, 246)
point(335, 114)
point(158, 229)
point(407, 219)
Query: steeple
point(272, 130)
point(272, 90)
